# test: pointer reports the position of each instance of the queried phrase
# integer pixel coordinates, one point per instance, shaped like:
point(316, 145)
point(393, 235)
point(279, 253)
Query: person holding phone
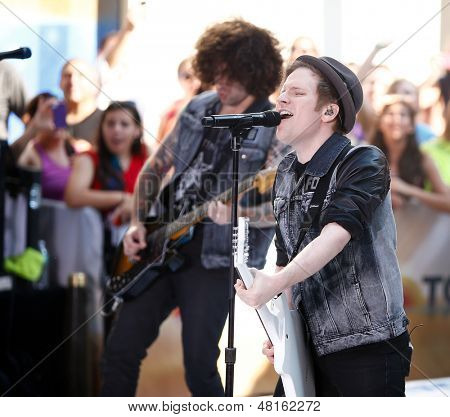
point(51, 148)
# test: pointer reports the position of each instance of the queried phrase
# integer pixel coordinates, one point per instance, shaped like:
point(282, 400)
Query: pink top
point(54, 176)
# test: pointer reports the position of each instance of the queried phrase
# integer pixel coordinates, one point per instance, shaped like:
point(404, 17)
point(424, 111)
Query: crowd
point(91, 156)
point(392, 118)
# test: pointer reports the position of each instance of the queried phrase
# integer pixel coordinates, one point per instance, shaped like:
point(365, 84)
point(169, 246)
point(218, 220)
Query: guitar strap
point(315, 207)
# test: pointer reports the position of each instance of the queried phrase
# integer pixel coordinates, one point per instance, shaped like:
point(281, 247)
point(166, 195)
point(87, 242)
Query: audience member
point(41, 120)
point(80, 85)
point(439, 150)
point(410, 168)
point(303, 45)
point(375, 79)
point(51, 150)
point(112, 64)
point(191, 86)
point(408, 89)
point(444, 81)
point(104, 177)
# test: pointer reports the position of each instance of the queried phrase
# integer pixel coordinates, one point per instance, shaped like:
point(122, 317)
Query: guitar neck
point(198, 213)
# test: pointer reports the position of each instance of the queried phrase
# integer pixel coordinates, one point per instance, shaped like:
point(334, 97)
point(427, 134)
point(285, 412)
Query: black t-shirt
point(299, 169)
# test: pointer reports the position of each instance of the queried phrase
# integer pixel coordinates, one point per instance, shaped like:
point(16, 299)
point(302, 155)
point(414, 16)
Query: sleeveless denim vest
point(216, 247)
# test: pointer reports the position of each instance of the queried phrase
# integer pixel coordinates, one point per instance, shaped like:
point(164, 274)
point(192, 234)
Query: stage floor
point(436, 387)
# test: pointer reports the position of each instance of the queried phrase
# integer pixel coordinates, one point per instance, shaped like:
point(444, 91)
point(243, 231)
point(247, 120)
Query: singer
point(244, 63)
point(335, 238)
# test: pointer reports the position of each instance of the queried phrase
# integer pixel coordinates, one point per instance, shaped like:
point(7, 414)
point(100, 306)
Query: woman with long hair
point(104, 177)
point(411, 169)
point(408, 89)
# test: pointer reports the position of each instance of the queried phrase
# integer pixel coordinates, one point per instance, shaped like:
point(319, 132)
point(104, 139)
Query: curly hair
point(241, 52)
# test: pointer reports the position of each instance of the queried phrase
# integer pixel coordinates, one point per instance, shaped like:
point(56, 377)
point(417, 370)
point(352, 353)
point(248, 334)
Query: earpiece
point(329, 112)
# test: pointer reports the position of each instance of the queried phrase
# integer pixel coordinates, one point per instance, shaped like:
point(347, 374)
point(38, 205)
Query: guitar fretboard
point(198, 213)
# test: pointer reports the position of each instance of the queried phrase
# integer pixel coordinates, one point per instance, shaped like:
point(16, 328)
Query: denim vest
point(357, 298)
point(216, 246)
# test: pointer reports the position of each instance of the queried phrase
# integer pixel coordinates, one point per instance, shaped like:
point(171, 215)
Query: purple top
point(54, 176)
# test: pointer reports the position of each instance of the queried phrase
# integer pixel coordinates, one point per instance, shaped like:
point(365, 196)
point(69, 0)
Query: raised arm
point(42, 120)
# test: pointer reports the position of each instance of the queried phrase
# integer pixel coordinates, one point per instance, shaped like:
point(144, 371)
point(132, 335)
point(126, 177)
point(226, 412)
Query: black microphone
point(21, 53)
point(267, 118)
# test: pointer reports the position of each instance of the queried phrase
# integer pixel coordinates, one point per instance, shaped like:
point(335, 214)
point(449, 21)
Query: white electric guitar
point(283, 326)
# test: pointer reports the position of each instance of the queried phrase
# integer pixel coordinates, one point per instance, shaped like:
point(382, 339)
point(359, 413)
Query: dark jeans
point(202, 296)
point(374, 370)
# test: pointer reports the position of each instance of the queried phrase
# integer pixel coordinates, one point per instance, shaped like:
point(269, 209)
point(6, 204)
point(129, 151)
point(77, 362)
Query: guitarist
point(244, 64)
point(337, 252)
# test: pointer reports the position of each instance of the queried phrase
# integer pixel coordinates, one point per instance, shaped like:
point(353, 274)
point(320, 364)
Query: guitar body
point(292, 360)
point(285, 329)
point(123, 264)
point(129, 279)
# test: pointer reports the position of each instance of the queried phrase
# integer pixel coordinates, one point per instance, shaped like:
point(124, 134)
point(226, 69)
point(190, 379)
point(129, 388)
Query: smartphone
point(59, 115)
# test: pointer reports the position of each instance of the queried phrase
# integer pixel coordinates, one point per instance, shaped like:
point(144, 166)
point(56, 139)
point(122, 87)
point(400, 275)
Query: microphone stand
point(238, 133)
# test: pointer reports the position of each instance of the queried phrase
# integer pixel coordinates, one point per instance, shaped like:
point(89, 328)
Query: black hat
point(346, 83)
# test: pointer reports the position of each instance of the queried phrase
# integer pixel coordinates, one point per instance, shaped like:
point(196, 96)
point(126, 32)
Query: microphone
point(21, 53)
point(267, 118)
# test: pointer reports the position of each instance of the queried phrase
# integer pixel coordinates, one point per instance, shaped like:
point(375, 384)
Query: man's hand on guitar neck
point(260, 216)
point(265, 286)
point(134, 241)
point(219, 213)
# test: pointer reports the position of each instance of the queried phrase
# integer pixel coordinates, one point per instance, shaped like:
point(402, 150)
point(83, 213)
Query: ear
point(329, 112)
